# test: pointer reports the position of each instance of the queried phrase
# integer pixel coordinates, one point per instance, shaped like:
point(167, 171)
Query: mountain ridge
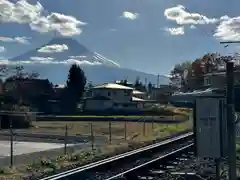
point(53, 59)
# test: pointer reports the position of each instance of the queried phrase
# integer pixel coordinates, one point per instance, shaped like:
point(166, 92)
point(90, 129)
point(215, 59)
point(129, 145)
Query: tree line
point(16, 94)
point(191, 73)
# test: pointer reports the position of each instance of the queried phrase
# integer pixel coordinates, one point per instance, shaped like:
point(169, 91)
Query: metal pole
point(92, 136)
point(152, 125)
point(65, 139)
point(11, 144)
point(231, 122)
point(110, 132)
point(217, 163)
point(125, 129)
point(144, 128)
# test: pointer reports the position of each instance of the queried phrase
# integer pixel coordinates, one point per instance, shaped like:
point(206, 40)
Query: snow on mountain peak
point(62, 50)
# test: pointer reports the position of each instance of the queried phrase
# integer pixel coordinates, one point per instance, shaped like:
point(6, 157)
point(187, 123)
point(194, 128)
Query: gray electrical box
point(210, 127)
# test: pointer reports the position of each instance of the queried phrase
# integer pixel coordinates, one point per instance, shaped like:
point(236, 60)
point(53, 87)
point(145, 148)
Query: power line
point(191, 14)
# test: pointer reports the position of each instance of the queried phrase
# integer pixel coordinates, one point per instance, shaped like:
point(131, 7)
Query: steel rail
point(118, 157)
point(150, 162)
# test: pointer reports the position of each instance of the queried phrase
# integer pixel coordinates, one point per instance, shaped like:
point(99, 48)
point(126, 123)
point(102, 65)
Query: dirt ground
point(133, 130)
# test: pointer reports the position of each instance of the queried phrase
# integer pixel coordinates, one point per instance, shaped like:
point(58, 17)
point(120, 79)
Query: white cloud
point(23, 12)
point(20, 12)
point(21, 40)
point(72, 61)
point(65, 25)
point(41, 58)
point(182, 17)
point(228, 29)
point(77, 57)
point(130, 15)
point(175, 31)
point(192, 27)
point(2, 49)
point(53, 48)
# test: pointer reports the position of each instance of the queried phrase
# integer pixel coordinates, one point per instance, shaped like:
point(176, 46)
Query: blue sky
point(147, 35)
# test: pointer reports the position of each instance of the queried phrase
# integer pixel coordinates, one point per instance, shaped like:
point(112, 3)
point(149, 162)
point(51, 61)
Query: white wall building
point(112, 96)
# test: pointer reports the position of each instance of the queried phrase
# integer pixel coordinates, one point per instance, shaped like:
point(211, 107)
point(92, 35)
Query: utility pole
point(231, 127)
point(145, 82)
point(158, 81)
point(229, 42)
point(231, 122)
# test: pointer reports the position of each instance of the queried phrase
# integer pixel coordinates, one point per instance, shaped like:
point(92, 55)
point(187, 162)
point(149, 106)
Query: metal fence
point(51, 139)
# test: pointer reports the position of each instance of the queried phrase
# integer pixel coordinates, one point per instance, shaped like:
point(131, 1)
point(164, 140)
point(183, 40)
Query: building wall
point(118, 95)
point(219, 80)
point(214, 81)
point(97, 105)
point(162, 93)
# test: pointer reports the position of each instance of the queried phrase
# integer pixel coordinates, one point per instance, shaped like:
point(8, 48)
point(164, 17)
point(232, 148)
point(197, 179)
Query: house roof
point(137, 99)
point(112, 86)
point(137, 92)
point(60, 86)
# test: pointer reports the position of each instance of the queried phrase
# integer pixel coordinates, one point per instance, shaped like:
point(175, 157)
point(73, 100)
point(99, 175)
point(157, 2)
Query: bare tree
point(15, 77)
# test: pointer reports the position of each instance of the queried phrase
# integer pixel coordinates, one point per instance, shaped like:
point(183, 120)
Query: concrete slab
point(26, 147)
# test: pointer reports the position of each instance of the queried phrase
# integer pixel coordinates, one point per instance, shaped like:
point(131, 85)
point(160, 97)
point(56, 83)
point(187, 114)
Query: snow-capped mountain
point(64, 51)
point(53, 59)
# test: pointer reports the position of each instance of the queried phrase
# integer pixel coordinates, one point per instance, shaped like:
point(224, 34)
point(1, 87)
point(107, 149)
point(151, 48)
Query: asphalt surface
point(43, 137)
point(26, 152)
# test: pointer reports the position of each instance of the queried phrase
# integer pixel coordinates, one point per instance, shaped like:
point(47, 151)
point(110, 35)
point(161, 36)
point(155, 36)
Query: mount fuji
point(53, 59)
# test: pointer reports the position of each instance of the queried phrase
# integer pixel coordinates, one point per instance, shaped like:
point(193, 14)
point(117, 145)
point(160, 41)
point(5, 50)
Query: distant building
point(140, 94)
point(163, 93)
point(217, 79)
point(113, 96)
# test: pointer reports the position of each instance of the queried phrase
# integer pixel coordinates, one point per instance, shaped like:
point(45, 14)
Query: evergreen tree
point(76, 81)
point(124, 82)
point(137, 83)
point(150, 86)
point(75, 87)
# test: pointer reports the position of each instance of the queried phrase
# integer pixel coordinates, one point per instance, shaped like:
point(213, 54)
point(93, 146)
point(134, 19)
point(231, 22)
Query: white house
point(112, 96)
point(140, 94)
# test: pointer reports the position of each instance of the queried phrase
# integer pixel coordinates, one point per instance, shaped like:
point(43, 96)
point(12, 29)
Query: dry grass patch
point(117, 129)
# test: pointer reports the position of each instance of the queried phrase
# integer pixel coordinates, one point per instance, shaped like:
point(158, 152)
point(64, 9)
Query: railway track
point(130, 164)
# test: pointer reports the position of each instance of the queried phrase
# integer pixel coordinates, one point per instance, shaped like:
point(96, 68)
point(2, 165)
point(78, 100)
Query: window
point(208, 81)
point(109, 93)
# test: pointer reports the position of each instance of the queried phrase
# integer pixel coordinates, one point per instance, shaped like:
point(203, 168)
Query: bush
point(159, 111)
point(18, 122)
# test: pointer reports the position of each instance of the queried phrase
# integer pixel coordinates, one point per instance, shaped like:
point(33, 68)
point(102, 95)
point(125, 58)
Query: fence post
point(65, 139)
point(92, 136)
point(152, 125)
point(110, 132)
point(125, 129)
point(11, 144)
point(144, 128)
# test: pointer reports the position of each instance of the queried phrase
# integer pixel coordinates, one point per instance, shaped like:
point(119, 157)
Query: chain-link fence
point(49, 139)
